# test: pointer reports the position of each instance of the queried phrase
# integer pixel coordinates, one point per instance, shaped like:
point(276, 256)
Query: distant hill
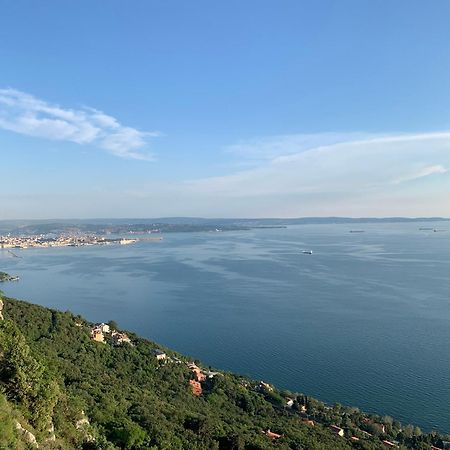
point(185, 224)
point(60, 389)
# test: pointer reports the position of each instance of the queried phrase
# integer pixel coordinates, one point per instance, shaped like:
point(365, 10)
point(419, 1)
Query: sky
point(255, 108)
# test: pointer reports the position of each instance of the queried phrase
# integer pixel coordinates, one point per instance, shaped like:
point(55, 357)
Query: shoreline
point(5, 277)
point(38, 241)
point(366, 427)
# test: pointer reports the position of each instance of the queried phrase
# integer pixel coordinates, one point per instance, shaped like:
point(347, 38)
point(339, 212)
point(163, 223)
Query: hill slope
point(70, 392)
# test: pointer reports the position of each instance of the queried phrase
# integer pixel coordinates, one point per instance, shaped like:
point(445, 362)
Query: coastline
point(346, 423)
point(318, 359)
point(5, 277)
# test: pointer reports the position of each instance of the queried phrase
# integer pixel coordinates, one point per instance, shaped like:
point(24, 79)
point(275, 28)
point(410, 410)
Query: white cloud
point(355, 178)
point(373, 163)
point(25, 114)
point(361, 175)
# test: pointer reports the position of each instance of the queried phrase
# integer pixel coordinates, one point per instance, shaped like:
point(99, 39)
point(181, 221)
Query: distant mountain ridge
point(196, 223)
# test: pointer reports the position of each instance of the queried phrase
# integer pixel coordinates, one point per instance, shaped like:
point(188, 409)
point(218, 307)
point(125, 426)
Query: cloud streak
point(25, 114)
point(401, 174)
point(267, 148)
point(363, 164)
point(421, 173)
point(331, 174)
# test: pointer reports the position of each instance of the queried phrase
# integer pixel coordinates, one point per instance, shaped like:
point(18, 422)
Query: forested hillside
point(66, 391)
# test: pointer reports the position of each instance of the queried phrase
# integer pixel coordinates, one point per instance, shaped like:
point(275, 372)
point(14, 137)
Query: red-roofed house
point(196, 388)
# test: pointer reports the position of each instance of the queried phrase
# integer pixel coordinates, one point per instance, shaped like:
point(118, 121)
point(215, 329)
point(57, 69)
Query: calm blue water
point(364, 321)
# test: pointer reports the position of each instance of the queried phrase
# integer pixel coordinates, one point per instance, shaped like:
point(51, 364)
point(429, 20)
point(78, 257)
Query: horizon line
point(230, 218)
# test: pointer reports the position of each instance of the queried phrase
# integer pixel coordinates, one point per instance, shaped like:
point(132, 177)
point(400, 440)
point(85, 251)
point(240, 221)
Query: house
point(192, 366)
point(289, 403)
point(309, 422)
point(198, 375)
point(197, 372)
point(271, 434)
point(337, 430)
point(103, 327)
point(196, 388)
point(366, 434)
point(159, 354)
point(354, 439)
point(390, 444)
point(262, 386)
point(97, 335)
point(120, 338)
point(211, 374)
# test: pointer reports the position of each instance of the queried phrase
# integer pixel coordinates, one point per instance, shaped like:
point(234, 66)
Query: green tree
point(127, 435)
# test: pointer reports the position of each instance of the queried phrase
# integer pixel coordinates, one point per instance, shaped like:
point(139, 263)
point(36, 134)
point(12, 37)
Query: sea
point(363, 321)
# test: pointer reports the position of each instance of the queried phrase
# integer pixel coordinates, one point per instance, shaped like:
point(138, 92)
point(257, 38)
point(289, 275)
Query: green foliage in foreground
point(97, 396)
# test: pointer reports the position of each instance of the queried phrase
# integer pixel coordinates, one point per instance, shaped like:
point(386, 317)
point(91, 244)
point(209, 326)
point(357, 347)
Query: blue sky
point(249, 108)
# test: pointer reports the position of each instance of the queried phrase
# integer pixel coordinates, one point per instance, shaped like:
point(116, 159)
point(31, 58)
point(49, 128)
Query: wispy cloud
point(365, 175)
point(421, 173)
point(360, 176)
point(25, 114)
point(267, 148)
point(355, 164)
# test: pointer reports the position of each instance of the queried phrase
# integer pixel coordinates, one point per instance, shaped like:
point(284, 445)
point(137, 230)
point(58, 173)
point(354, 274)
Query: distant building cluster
point(99, 330)
point(64, 240)
point(199, 376)
point(198, 383)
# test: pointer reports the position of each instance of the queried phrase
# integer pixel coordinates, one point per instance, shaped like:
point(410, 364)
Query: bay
point(363, 321)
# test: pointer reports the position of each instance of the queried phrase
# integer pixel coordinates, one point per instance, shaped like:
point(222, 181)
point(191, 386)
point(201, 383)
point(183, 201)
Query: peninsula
point(7, 277)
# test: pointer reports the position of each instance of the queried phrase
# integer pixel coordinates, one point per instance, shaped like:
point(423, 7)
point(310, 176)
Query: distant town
point(44, 241)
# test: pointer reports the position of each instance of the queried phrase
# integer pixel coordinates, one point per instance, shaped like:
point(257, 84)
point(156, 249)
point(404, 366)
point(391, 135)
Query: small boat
point(307, 252)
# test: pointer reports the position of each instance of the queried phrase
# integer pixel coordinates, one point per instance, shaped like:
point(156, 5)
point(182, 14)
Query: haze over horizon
point(229, 110)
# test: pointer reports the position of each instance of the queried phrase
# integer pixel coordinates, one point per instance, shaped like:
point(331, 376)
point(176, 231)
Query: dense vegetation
point(72, 393)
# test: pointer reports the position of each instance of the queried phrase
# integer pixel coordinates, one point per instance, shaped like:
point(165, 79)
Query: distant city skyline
point(239, 109)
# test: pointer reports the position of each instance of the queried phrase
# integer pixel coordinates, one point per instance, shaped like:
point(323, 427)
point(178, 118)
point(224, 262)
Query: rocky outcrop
point(28, 436)
point(84, 426)
point(51, 432)
point(1, 309)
